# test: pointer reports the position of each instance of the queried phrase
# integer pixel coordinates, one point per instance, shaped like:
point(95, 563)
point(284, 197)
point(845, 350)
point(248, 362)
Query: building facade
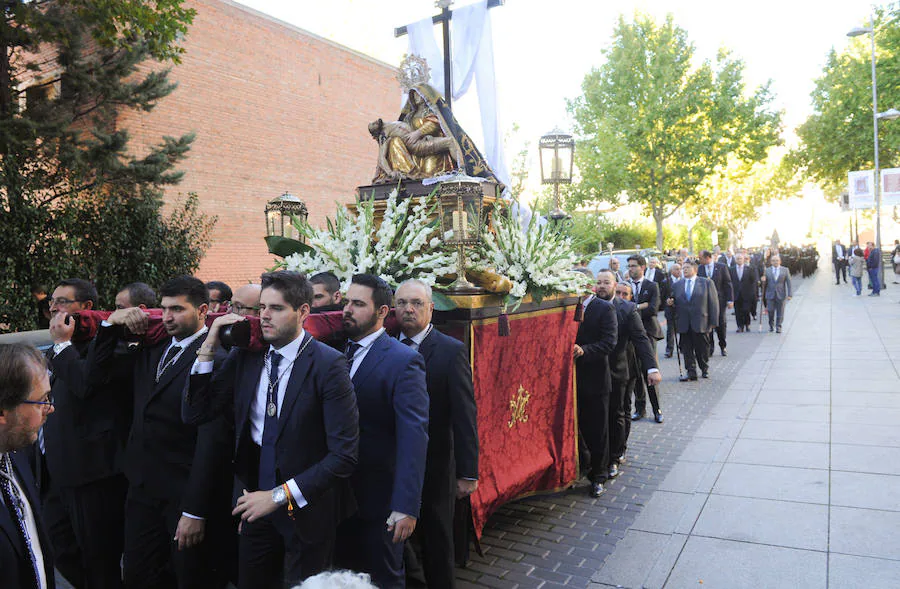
point(274, 109)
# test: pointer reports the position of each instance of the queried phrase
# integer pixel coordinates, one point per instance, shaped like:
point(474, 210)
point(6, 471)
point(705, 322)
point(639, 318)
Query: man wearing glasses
point(81, 443)
point(25, 403)
point(245, 301)
point(451, 464)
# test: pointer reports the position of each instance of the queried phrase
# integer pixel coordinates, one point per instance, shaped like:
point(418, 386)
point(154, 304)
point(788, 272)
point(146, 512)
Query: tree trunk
point(658, 217)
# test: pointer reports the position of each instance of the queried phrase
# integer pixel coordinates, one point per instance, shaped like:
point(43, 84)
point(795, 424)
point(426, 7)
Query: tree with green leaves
point(839, 136)
point(73, 200)
point(731, 198)
point(653, 123)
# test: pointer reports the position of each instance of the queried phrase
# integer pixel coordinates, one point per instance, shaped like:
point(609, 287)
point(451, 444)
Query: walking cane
point(677, 341)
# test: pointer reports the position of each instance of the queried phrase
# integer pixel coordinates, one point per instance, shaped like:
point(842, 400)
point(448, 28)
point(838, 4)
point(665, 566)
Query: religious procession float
point(503, 283)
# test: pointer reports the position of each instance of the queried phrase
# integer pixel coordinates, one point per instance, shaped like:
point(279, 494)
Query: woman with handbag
point(857, 269)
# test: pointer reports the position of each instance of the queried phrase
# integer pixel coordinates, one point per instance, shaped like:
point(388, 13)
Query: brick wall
point(274, 108)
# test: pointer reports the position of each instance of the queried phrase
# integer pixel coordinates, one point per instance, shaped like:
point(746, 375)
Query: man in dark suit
point(727, 258)
point(179, 477)
point(839, 257)
point(669, 312)
point(696, 305)
point(26, 561)
point(746, 286)
point(596, 338)
point(721, 278)
point(451, 468)
point(83, 442)
point(646, 296)
point(873, 267)
point(389, 379)
point(630, 332)
point(296, 437)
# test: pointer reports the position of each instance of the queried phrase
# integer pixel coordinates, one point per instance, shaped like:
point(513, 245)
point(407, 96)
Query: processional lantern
point(556, 151)
point(461, 209)
point(280, 214)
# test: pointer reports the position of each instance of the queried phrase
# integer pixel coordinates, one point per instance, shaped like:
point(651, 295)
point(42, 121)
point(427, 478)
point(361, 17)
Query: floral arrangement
point(537, 260)
point(406, 245)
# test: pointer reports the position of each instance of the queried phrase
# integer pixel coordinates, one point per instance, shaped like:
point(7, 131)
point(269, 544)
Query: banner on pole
point(890, 187)
point(861, 187)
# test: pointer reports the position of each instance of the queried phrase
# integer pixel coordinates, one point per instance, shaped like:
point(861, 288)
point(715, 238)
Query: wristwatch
point(279, 497)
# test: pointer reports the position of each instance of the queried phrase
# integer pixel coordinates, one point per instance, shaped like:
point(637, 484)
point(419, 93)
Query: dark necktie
point(16, 508)
point(407, 341)
point(270, 427)
point(350, 352)
point(166, 362)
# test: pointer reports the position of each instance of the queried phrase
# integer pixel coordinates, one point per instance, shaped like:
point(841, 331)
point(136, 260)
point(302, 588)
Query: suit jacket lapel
point(302, 366)
point(185, 360)
point(427, 346)
point(373, 357)
point(253, 366)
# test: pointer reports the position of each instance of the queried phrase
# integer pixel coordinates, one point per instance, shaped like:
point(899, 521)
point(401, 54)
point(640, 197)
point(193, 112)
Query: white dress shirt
point(31, 528)
point(366, 345)
point(418, 338)
point(257, 414)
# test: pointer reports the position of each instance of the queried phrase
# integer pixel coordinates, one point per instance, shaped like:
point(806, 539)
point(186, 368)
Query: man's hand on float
point(578, 352)
point(134, 319)
point(62, 326)
point(465, 487)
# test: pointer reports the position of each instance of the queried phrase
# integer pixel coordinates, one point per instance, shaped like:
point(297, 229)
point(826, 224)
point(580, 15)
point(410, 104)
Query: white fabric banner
point(861, 188)
point(472, 60)
point(890, 187)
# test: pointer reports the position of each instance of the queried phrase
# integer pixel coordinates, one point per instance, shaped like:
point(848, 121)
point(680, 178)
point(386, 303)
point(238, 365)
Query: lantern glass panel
point(461, 211)
point(273, 222)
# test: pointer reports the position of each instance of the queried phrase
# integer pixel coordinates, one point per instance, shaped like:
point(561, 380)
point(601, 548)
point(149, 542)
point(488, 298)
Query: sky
point(543, 50)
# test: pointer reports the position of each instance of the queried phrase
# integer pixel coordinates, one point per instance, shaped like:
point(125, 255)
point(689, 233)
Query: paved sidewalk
point(794, 478)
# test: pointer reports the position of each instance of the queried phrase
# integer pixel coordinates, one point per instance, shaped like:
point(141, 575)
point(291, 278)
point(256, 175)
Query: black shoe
point(613, 470)
point(687, 377)
point(657, 416)
point(771, 329)
point(724, 353)
point(667, 355)
point(596, 490)
point(637, 415)
point(705, 374)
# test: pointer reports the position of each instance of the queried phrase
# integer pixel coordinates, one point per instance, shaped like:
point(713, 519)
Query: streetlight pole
point(875, 116)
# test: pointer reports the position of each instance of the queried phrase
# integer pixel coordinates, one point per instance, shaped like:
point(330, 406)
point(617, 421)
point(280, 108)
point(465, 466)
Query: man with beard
point(451, 468)
point(326, 293)
point(630, 334)
point(296, 435)
point(391, 393)
point(596, 338)
point(178, 475)
point(646, 297)
point(696, 313)
point(25, 403)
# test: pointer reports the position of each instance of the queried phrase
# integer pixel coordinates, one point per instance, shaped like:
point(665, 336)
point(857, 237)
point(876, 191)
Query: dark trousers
point(641, 391)
point(152, 559)
point(432, 542)
point(366, 545)
point(267, 561)
point(619, 419)
point(695, 348)
point(593, 421)
point(875, 280)
point(96, 514)
point(66, 554)
point(840, 270)
point(721, 328)
point(742, 311)
point(776, 312)
point(670, 329)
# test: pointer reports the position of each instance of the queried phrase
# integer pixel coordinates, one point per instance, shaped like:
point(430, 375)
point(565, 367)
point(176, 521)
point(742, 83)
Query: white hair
point(338, 580)
point(417, 282)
